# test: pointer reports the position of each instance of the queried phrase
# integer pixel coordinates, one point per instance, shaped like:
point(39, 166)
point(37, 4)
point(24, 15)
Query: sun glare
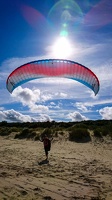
point(62, 48)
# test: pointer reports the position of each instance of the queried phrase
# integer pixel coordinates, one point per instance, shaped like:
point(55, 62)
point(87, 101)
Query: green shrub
point(5, 131)
point(79, 135)
point(98, 133)
point(55, 133)
point(31, 135)
point(27, 133)
point(105, 131)
point(37, 137)
point(23, 134)
point(15, 129)
point(110, 134)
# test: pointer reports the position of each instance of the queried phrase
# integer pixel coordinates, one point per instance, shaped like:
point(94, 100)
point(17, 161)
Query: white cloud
point(14, 116)
point(52, 104)
point(2, 108)
point(106, 113)
point(38, 108)
point(81, 106)
point(29, 98)
point(44, 118)
point(76, 116)
point(61, 94)
point(55, 106)
point(26, 96)
point(98, 102)
point(45, 96)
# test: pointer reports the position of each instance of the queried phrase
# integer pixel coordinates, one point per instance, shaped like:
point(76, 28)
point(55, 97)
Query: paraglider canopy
point(52, 68)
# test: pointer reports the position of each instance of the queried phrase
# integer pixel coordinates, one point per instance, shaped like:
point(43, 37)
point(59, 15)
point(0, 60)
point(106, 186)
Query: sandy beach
point(74, 171)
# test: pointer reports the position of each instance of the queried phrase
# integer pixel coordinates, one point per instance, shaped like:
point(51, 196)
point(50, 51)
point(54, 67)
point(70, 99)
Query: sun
point(62, 48)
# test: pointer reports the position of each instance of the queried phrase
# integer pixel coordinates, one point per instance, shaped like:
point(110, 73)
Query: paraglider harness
point(47, 144)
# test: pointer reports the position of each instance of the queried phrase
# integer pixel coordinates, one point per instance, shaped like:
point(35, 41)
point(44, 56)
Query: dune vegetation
point(73, 131)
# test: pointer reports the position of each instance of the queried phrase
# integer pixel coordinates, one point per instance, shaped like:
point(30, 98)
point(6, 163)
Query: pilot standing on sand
point(47, 144)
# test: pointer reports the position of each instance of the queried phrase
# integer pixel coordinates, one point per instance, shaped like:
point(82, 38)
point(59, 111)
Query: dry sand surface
point(74, 171)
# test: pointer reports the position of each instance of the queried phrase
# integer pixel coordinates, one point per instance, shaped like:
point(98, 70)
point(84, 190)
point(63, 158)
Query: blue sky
point(30, 30)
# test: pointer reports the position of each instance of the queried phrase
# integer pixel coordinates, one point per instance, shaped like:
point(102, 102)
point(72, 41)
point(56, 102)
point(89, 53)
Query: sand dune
point(74, 171)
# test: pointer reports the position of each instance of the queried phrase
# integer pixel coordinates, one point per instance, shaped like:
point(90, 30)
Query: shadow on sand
point(43, 162)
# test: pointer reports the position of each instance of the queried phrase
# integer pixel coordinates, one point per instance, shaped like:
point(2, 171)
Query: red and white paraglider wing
point(52, 68)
